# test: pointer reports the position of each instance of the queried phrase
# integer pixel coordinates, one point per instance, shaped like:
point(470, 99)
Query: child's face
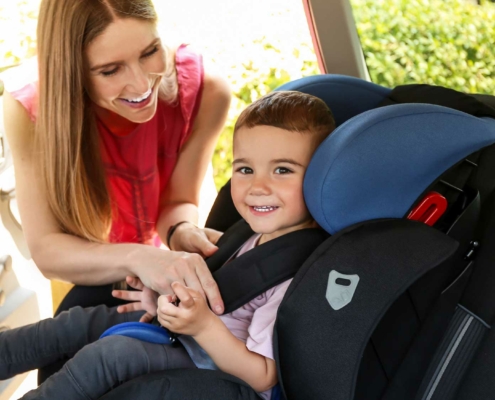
point(267, 179)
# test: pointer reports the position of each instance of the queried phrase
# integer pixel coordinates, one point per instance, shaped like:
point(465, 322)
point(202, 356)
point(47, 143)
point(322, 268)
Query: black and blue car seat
point(399, 301)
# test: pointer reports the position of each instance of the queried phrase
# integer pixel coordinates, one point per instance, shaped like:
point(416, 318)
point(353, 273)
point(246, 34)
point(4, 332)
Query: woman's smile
point(139, 102)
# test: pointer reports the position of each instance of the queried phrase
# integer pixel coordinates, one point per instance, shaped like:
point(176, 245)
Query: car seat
point(388, 307)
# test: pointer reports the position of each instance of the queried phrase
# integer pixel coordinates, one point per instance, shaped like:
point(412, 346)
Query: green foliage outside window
point(439, 42)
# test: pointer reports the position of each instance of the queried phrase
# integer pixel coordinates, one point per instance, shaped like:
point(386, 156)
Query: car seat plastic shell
point(365, 95)
point(395, 178)
point(346, 96)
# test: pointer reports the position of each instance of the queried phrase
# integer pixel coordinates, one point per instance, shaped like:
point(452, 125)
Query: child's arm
point(143, 298)
point(193, 317)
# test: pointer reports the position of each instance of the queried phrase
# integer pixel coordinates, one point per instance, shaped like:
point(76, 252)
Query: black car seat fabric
point(479, 106)
point(327, 345)
point(354, 187)
point(396, 173)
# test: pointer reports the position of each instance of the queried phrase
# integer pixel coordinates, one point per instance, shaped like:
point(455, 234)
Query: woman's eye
point(111, 72)
point(150, 53)
point(245, 170)
point(282, 170)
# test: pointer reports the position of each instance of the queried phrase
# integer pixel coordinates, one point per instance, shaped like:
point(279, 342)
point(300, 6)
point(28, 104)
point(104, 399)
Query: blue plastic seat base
point(140, 330)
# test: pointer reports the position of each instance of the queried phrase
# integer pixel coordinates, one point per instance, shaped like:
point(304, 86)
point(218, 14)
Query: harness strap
point(267, 265)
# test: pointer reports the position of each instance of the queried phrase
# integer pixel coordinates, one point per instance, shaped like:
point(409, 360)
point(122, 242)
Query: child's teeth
point(264, 208)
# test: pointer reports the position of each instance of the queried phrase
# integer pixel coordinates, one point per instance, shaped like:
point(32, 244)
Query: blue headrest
point(345, 95)
point(377, 164)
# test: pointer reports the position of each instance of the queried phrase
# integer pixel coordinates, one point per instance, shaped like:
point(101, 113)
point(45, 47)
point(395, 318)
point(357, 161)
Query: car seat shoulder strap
point(340, 294)
point(229, 243)
point(269, 264)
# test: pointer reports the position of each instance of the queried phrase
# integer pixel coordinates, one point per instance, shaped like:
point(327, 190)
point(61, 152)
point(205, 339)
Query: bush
point(439, 42)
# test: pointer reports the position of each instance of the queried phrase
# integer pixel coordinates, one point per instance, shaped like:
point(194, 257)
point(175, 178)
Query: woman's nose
point(139, 81)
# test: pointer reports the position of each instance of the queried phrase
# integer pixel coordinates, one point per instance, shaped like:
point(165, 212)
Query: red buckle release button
point(430, 209)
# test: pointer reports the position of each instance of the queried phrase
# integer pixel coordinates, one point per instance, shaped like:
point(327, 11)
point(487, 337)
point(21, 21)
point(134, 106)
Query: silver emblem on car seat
point(340, 289)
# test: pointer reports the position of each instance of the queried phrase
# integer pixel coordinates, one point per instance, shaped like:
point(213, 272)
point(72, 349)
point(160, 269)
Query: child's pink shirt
point(253, 322)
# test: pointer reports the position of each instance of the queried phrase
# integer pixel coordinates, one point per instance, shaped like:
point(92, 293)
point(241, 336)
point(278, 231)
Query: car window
point(440, 42)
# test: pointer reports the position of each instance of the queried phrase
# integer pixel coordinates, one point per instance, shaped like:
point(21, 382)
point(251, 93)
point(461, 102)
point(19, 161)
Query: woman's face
point(125, 65)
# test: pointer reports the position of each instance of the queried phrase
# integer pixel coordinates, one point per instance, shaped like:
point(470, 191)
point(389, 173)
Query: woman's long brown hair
point(67, 142)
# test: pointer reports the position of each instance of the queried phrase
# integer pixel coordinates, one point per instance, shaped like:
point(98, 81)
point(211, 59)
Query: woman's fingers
point(213, 235)
point(200, 279)
point(210, 288)
point(127, 295)
point(187, 268)
point(134, 282)
point(202, 245)
point(125, 308)
point(147, 318)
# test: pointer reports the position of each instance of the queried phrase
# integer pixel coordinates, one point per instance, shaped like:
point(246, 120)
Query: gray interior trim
point(338, 38)
point(459, 277)
point(452, 349)
point(474, 316)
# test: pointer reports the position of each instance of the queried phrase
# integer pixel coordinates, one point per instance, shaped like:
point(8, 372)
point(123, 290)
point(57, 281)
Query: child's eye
point(111, 72)
point(282, 170)
point(245, 170)
point(150, 53)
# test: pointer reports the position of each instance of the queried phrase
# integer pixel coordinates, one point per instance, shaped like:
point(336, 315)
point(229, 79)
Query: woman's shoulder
point(190, 72)
point(21, 83)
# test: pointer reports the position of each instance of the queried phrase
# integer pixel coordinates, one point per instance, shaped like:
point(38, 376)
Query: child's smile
point(268, 171)
point(262, 209)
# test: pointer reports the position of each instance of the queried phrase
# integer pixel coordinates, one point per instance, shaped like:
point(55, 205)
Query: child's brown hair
point(291, 111)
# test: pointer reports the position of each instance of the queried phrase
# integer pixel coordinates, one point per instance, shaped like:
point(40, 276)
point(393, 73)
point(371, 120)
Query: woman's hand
point(191, 317)
point(188, 237)
point(142, 298)
point(158, 269)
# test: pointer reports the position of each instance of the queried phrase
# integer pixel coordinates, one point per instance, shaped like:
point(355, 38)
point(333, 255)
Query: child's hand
point(191, 317)
point(143, 299)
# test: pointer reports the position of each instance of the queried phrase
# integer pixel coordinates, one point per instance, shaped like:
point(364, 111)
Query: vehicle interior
point(398, 302)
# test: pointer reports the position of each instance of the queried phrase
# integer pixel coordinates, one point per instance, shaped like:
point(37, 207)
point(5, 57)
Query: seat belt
point(471, 322)
point(410, 373)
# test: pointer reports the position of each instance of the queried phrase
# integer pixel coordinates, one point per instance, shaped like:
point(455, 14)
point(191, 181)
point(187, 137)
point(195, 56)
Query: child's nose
point(260, 186)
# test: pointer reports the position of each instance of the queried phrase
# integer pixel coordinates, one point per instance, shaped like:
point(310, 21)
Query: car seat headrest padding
point(377, 164)
point(346, 96)
point(318, 349)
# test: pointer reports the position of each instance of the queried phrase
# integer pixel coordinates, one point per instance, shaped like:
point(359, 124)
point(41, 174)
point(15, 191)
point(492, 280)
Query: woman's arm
point(193, 317)
point(180, 201)
point(66, 257)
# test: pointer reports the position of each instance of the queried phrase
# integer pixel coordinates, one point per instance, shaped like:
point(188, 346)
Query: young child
point(274, 139)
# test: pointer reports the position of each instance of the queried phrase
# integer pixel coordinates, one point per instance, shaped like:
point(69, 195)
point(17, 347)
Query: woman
point(110, 147)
